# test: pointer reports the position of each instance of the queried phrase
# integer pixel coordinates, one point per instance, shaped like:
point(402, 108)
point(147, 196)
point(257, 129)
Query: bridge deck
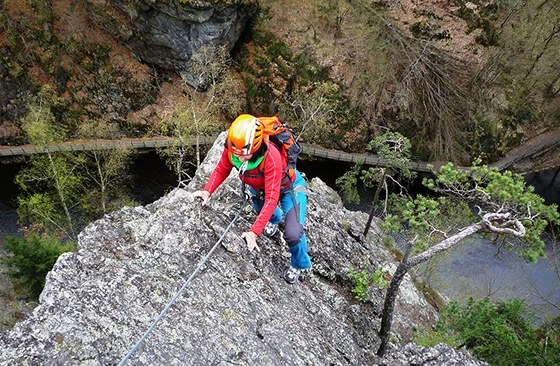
point(534, 147)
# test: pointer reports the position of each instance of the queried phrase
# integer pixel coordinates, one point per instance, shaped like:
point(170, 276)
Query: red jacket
point(270, 180)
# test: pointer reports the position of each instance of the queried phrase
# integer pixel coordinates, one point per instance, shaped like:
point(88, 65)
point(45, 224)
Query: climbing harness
point(183, 288)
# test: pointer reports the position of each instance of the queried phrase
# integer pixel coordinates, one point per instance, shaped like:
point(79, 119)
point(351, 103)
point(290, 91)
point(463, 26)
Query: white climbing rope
point(181, 290)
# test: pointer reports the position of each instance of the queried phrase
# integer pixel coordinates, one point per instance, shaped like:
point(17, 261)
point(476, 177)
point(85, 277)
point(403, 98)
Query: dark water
point(151, 178)
point(8, 199)
point(8, 189)
point(474, 268)
point(547, 184)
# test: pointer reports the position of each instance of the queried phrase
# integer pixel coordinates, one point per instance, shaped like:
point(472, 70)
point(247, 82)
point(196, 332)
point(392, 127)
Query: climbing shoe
point(292, 275)
point(270, 229)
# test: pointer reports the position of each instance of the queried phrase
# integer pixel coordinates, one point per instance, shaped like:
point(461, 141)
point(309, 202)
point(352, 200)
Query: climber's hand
point(203, 195)
point(251, 240)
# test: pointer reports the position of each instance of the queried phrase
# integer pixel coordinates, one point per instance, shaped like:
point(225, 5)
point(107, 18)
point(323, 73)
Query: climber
point(263, 168)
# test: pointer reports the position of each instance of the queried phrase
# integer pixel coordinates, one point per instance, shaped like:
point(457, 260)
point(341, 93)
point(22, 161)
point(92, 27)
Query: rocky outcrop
point(439, 355)
point(168, 33)
point(99, 301)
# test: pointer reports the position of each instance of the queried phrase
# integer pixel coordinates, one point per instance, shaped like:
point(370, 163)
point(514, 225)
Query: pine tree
point(504, 206)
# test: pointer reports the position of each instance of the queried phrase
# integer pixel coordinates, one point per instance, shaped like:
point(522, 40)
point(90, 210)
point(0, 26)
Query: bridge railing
point(368, 159)
point(149, 143)
point(158, 142)
point(312, 150)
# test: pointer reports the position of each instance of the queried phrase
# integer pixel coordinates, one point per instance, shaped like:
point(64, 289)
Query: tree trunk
point(390, 297)
point(61, 195)
point(197, 151)
point(551, 36)
point(102, 182)
point(403, 268)
point(445, 244)
point(389, 306)
point(375, 199)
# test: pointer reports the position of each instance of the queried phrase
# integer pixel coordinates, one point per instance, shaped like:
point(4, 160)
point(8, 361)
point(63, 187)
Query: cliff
point(168, 33)
point(99, 301)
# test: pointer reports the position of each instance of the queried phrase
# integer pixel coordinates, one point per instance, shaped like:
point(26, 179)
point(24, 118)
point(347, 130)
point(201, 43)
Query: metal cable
point(182, 289)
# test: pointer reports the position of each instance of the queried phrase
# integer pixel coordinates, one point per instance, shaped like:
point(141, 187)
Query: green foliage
point(394, 148)
point(327, 8)
point(500, 193)
point(30, 259)
point(333, 15)
point(186, 124)
point(105, 170)
point(427, 218)
point(51, 183)
point(408, 84)
point(418, 215)
point(504, 205)
point(426, 31)
point(39, 122)
point(198, 117)
point(59, 188)
point(499, 333)
point(317, 113)
point(430, 338)
point(218, 2)
point(388, 242)
point(274, 74)
point(77, 64)
point(41, 208)
point(264, 61)
point(363, 279)
point(549, 333)
point(348, 184)
point(208, 65)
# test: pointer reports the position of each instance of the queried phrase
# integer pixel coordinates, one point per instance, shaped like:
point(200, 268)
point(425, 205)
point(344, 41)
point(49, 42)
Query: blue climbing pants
point(294, 206)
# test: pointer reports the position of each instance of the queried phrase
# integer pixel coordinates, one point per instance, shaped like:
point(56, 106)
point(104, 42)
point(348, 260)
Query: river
point(474, 268)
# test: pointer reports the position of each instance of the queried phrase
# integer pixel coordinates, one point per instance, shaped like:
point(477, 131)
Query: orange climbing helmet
point(245, 135)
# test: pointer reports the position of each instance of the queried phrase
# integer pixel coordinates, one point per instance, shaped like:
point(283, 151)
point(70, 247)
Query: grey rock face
point(441, 354)
point(99, 301)
point(168, 33)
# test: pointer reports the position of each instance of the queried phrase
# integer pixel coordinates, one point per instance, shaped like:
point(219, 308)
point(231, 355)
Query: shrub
point(32, 257)
point(433, 337)
point(500, 333)
point(364, 279)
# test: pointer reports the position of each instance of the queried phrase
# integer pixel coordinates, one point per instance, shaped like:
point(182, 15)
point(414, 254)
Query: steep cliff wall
point(168, 33)
point(99, 301)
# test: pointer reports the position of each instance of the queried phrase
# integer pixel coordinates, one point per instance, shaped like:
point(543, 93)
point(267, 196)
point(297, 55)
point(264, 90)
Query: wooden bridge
point(88, 145)
point(532, 148)
point(159, 142)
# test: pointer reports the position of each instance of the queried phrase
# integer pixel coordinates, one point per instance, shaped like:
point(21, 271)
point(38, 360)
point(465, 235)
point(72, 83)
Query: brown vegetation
point(406, 65)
